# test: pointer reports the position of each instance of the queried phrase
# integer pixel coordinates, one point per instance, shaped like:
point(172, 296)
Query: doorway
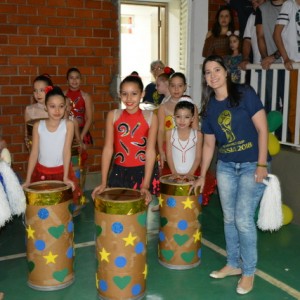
point(143, 37)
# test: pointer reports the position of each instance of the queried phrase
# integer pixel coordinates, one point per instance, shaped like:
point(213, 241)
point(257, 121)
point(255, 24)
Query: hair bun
point(169, 71)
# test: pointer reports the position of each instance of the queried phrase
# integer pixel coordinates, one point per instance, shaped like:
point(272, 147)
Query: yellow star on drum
point(160, 200)
point(129, 240)
point(188, 203)
point(145, 271)
point(50, 258)
point(30, 232)
point(104, 255)
point(197, 236)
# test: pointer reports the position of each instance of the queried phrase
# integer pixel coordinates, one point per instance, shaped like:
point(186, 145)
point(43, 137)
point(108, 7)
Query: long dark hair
point(216, 30)
point(234, 95)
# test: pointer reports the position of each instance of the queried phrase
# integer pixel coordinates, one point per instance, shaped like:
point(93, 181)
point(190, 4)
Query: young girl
point(162, 83)
point(37, 110)
point(51, 145)
point(130, 136)
point(232, 61)
point(82, 108)
point(183, 144)
point(177, 87)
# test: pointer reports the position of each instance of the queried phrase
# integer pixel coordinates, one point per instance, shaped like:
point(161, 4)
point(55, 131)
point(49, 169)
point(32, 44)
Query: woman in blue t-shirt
point(233, 117)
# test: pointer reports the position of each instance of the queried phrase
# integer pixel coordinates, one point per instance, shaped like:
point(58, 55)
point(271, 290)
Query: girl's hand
point(69, 182)
point(189, 177)
point(261, 174)
point(198, 184)
point(25, 184)
point(162, 159)
point(148, 197)
point(98, 190)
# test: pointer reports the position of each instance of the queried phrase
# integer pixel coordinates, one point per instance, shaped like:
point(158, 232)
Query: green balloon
point(274, 119)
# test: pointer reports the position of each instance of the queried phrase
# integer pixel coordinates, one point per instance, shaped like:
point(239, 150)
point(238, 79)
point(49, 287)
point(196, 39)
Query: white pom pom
point(270, 212)
point(14, 191)
point(5, 213)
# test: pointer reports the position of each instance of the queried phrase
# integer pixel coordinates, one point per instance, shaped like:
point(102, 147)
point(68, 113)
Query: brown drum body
point(49, 235)
point(179, 244)
point(80, 174)
point(120, 217)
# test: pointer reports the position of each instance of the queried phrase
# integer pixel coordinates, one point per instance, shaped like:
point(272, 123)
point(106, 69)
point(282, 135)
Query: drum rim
point(141, 197)
point(47, 191)
point(174, 183)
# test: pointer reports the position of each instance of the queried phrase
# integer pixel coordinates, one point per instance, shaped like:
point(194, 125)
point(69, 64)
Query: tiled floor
point(278, 274)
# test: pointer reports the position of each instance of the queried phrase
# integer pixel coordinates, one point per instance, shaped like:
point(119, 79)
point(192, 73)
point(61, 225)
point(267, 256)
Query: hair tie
point(236, 33)
point(48, 88)
point(186, 98)
point(168, 70)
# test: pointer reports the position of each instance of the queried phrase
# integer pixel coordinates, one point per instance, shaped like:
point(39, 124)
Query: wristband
point(261, 165)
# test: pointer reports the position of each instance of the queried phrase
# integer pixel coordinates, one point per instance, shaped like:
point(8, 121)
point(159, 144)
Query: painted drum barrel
point(49, 235)
point(80, 174)
point(179, 244)
point(120, 219)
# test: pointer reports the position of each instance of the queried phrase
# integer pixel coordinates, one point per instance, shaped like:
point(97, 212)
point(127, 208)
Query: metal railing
point(268, 87)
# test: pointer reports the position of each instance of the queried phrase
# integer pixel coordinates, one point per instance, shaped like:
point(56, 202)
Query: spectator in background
point(250, 39)
point(232, 61)
point(217, 41)
point(243, 9)
point(151, 94)
point(287, 39)
point(266, 16)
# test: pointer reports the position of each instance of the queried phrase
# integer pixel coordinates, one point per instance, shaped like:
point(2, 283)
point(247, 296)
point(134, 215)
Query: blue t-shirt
point(151, 94)
point(233, 127)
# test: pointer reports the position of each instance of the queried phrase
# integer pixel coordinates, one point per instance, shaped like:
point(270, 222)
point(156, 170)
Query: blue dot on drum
point(139, 248)
point(171, 202)
point(136, 289)
point(103, 285)
point(77, 174)
point(199, 253)
point(200, 199)
point(117, 227)
point(182, 225)
point(40, 245)
point(120, 262)
point(161, 236)
point(70, 252)
point(70, 226)
point(43, 213)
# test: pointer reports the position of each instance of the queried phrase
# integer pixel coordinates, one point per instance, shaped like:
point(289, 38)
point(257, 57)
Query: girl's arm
point(67, 152)
point(195, 124)
point(33, 157)
point(77, 134)
point(107, 154)
point(150, 157)
point(169, 152)
point(209, 141)
point(26, 119)
point(88, 114)
point(161, 134)
point(260, 123)
point(197, 160)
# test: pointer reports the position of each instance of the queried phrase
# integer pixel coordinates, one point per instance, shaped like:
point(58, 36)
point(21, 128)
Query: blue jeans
point(240, 196)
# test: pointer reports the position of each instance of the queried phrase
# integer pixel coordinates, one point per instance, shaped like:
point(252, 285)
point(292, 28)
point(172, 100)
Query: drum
point(29, 128)
point(120, 217)
point(80, 174)
point(49, 235)
point(179, 245)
